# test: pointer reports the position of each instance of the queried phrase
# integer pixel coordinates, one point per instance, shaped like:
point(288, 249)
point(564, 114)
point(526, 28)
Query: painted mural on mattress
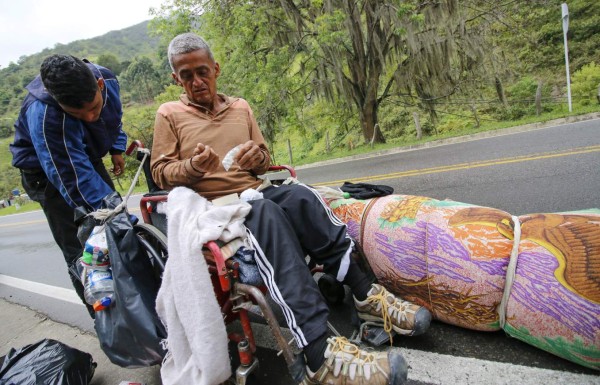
point(453, 258)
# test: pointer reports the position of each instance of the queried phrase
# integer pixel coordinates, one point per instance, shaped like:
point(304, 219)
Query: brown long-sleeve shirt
point(181, 125)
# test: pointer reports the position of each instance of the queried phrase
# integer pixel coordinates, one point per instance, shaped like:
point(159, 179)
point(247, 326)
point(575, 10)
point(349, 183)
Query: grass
point(282, 155)
point(5, 155)
point(17, 209)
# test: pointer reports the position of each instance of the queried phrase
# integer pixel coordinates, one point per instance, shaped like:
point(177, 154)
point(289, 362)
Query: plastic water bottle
point(99, 288)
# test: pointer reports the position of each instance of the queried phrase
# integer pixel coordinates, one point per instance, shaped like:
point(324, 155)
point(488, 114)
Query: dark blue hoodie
point(64, 147)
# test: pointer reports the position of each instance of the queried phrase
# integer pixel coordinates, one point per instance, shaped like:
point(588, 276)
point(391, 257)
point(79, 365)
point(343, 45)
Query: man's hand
point(118, 164)
point(205, 159)
point(250, 156)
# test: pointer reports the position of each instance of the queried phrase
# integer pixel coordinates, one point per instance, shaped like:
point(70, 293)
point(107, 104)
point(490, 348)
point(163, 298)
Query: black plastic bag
point(130, 331)
point(47, 362)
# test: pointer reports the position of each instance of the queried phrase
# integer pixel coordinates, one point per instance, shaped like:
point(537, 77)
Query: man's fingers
point(207, 160)
point(244, 150)
point(251, 159)
point(199, 149)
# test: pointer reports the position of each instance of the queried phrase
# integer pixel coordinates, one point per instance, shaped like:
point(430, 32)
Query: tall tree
point(142, 80)
point(111, 62)
point(361, 51)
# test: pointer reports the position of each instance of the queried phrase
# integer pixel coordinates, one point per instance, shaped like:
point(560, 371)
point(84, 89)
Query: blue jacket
point(47, 138)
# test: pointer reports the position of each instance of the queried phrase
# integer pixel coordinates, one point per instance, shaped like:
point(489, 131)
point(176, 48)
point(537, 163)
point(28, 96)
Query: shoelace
point(358, 357)
point(381, 299)
point(398, 311)
point(341, 344)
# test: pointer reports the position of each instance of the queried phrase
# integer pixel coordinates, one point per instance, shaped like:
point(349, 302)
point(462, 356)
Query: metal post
point(565, 20)
point(290, 152)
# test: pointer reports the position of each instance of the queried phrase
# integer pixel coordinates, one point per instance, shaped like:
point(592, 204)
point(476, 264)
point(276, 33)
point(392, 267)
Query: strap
point(510, 271)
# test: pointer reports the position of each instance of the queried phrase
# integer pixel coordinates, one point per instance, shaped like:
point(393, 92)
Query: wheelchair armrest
point(146, 208)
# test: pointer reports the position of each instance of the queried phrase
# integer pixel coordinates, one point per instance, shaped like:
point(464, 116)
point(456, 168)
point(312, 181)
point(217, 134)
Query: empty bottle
point(99, 288)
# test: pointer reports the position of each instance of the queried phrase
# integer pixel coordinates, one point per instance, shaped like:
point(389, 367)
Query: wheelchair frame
point(235, 299)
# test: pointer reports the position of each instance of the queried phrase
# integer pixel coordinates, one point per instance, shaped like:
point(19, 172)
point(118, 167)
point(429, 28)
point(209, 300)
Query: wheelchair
point(236, 299)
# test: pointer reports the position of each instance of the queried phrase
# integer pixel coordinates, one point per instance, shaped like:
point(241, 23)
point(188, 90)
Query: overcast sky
point(29, 26)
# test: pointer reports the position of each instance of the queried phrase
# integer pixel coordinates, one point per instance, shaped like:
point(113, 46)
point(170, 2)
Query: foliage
point(169, 94)
point(138, 122)
point(358, 52)
point(462, 66)
point(531, 32)
point(141, 81)
point(111, 62)
point(9, 176)
point(586, 85)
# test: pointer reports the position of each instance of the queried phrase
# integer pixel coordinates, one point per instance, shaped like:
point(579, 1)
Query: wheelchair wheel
point(331, 289)
point(155, 244)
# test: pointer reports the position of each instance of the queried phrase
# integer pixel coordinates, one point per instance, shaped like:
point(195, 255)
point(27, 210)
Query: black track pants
point(291, 222)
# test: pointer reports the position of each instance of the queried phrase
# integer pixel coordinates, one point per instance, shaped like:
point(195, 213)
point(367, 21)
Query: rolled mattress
point(535, 276)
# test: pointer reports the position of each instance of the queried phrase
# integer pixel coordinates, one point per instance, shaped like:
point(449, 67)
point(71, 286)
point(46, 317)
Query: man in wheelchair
point(191, 137)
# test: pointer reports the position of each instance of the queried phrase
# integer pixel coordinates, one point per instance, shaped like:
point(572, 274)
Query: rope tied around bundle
point(510, 271)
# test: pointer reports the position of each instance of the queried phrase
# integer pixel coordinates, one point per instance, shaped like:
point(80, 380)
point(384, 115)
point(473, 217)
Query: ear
point(101, 84)
point(217, 70)
point(176, 78)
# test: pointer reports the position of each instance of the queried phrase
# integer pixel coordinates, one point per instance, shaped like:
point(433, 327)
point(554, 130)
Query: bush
point(523, 91)
point(454, 123)
point(515, 112)
point(585, 84)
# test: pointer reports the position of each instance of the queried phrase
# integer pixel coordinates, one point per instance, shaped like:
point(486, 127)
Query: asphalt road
point(547, 170)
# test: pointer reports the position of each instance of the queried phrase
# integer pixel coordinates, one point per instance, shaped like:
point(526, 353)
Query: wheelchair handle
point(133, 146)
point(283, 167)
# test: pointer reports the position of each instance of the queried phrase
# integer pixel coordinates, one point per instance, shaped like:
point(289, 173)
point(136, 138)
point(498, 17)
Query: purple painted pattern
point(446, 243)
point(353, 229)
point(443, 251)
point(405, 256)
point(536, 289)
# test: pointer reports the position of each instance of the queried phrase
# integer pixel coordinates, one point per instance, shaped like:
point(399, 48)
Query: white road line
point(60, 293)
point(442, 369)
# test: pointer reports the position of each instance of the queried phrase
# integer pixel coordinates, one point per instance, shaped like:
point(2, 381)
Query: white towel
point(186, 304)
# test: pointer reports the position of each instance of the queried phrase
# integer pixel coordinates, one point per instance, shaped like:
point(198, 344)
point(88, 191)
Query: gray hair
point(186, 43)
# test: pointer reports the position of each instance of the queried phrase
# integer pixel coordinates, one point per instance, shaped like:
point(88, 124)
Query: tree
point(361, 51)
point(532, 32)
point(111, 62)
point(142, 80)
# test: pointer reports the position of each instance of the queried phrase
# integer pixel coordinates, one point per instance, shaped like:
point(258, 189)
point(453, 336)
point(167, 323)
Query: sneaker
point(347, 364)
point(385, 308)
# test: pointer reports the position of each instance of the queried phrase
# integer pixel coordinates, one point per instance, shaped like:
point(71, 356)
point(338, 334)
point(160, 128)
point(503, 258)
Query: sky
point(29, 26)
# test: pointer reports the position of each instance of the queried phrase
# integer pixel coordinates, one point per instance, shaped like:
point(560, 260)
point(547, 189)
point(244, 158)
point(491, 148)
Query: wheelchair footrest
point(243, 371)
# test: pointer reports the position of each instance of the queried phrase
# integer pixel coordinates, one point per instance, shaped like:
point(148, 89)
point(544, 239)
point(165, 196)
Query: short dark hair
point(68, 80)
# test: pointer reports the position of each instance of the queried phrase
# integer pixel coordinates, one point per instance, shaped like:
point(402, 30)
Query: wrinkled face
point(90, 112)
point(197, 73)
